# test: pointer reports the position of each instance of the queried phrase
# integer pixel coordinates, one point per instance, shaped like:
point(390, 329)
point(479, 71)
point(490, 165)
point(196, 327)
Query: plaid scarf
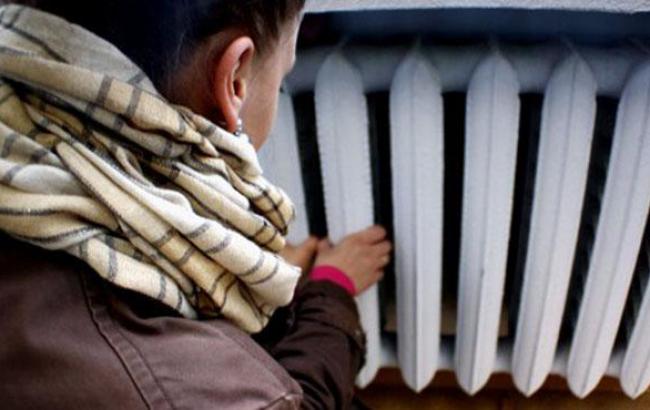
point(156, 199)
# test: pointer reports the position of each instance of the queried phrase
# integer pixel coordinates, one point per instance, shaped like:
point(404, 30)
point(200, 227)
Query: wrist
point(333, 274)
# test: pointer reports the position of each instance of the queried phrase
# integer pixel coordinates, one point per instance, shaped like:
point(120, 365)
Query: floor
point(388, 393)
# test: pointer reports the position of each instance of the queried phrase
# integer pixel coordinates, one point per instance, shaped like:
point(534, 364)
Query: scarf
point(153, 197)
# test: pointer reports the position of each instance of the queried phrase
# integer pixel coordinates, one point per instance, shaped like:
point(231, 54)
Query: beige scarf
point(155, 198)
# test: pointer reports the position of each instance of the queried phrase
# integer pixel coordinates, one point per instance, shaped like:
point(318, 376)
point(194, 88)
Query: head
point(224, 59)
point(237, 73)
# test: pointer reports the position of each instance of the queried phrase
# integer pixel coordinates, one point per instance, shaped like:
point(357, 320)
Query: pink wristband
point(333, 274)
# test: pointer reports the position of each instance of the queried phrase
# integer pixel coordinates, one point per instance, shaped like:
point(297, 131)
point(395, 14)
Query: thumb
point(308, 247)
point(310, 243)
point(324, 245)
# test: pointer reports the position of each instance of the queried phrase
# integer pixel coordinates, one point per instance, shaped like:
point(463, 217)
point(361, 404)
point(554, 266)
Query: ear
point(231, 76)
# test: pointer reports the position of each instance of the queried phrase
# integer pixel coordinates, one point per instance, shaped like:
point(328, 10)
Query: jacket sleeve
point(319, 341)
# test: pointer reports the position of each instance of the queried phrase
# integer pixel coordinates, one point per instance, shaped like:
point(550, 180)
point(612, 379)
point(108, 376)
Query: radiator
point(513, 177)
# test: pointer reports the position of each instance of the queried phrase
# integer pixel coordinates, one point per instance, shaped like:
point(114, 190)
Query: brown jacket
point(70, 340)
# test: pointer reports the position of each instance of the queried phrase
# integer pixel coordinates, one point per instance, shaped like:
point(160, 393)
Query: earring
point(240, 127)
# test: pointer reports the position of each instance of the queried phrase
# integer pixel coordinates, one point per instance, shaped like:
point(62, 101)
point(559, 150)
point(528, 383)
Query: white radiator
point(542, 151)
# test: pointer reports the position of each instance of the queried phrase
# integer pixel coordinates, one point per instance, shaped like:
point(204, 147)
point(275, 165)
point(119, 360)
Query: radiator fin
point(342, 131)
point(568, 118)
point(417, 146)
point(635, 372)
point(490, 152)
point(618, 238)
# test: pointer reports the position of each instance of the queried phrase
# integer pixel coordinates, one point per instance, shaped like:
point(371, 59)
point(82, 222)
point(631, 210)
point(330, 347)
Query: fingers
point(381, 262)
point(312, 240)
point(372, 234)
point(381, 253)
point(310, 244)
point(323, 245)
point(307, 248)
point(382, 248)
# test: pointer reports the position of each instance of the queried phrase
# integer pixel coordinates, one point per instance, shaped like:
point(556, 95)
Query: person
point(132, 208)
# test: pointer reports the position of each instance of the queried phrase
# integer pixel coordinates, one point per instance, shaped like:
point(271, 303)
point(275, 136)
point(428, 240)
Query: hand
point(362, 256)
point(301, 255)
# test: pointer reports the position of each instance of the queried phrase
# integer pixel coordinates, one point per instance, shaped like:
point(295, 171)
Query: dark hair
point(156, 34)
